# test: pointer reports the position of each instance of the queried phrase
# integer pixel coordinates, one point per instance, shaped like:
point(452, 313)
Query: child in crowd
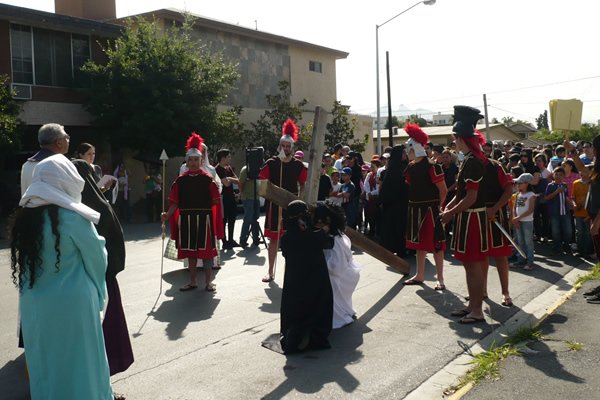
point(523, 219)
point(558, 209)
point(582, 224)
point(336, 187)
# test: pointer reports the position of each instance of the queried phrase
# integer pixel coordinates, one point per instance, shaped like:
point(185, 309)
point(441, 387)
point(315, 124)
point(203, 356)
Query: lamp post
point(427, 3)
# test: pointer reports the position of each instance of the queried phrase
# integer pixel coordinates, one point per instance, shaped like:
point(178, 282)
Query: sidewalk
point(552, 369)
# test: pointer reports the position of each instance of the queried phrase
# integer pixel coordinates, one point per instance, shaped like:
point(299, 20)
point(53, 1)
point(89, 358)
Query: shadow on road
point(310, 372)
point(273, 292)
point(13, 379)
point(546, 358)
point(184, 307)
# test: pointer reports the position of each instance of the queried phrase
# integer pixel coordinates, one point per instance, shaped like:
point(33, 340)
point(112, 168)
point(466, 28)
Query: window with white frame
point(315, 66)
point(47, 57)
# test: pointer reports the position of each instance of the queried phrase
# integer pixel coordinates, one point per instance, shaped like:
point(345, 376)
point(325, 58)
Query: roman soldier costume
point(424, 230)
point(495, 180)
point(470, 238)
point(193, 225)
point(286, 175)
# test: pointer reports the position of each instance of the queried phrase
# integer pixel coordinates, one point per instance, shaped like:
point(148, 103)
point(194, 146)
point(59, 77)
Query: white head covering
point(417, 147)
point(56, 181)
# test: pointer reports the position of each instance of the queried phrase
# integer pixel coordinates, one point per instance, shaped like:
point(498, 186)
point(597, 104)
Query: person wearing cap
point(523, 220)
point(307, 296)
point(467, 209)
point(194, 201)
point(559, 207)
point(52, 139)
point(497, 186)
point(288, 173)
point(228, 179)
point(557, 159)
point(426, 191)
point(59, 268)
point(299, 154)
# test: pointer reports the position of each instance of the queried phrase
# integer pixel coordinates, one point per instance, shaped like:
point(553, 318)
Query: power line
point(508, 90)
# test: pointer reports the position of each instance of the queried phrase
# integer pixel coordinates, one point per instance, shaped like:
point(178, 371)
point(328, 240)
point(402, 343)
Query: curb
point(532, 314)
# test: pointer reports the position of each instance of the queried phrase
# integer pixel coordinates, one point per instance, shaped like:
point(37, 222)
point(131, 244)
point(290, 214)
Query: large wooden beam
point(282, 198)
point(315, 155)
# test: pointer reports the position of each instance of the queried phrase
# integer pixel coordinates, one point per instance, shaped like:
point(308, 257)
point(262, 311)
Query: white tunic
point(343, 274)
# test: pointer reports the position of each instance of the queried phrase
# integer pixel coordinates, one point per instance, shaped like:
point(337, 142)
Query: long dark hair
point(332, 214)
point(26, 241)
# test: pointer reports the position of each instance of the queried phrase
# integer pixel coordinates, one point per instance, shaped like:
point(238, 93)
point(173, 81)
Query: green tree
point(414, 119)
point(587, 132)
point(266, 131)
point(341, 129)
point(228, 132)
point(157, 86)
point(395, 122)
point(9, 122)
point(508, 121)
point(542, 121)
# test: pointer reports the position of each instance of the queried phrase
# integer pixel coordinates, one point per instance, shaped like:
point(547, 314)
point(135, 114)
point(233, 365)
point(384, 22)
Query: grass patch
point(592, 275)
point(487, 364)
point(574, 346)
point(525, 334)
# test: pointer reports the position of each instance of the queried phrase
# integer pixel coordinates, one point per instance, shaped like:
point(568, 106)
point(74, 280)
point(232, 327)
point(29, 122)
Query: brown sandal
point(268, 278)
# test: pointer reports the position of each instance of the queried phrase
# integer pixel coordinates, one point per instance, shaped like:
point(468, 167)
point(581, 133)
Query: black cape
point(307, 298)
point(114, 326)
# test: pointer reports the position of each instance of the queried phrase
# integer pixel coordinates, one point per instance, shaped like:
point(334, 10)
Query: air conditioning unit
point(21, 92)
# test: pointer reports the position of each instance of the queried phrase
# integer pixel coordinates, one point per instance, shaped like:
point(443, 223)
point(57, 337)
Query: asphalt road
point(200, 345)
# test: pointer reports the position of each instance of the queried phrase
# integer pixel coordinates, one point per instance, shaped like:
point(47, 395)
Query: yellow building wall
point(318, 88)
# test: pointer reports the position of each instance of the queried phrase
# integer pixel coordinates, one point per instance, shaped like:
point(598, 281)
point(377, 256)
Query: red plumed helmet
point(481, 138)
point(416, 133)
point(290, 129)
point(194, 141)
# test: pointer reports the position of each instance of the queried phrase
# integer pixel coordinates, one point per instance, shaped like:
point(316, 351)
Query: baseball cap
point(347, 170)
point(524, 178)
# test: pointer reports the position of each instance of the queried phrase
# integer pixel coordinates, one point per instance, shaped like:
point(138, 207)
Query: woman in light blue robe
point(62, 300)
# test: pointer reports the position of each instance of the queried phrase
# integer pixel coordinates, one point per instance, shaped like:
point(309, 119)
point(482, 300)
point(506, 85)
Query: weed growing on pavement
point(593, 274)
point(487, 364)
point(574, 346)
point(525, 334)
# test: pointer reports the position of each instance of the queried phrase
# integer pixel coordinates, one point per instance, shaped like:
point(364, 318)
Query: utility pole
point(487, 122)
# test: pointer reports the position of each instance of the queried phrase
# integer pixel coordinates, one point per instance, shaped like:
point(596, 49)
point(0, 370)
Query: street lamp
point(427, 3)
